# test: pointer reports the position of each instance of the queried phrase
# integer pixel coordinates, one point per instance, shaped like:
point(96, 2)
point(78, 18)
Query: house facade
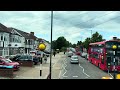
point(14, 41)
point(4, 40)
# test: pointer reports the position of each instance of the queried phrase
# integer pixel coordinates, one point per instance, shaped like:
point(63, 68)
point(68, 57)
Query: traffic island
point(26, 63)
point(6, 72)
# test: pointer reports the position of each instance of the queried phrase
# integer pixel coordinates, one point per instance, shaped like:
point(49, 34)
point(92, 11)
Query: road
point(83, 70)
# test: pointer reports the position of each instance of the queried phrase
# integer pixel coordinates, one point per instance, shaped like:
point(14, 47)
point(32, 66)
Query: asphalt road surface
point(83, 70)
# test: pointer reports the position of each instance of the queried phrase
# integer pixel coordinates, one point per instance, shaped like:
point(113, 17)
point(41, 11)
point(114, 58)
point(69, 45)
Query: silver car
point(70, 53)
point(74, 59)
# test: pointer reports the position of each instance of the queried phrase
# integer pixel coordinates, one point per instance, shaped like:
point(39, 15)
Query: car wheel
point(35, 63)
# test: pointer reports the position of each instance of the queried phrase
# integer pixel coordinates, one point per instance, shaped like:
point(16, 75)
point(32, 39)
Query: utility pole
point(91, 33)
point(51, 45)
point(91, 36)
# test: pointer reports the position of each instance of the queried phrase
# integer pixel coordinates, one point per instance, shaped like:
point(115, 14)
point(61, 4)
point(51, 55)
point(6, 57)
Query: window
point(96, 56)
point(4, 39)
point(1, 38)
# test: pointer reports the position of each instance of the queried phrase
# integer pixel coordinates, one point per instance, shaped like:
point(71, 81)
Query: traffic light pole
point(114, 76)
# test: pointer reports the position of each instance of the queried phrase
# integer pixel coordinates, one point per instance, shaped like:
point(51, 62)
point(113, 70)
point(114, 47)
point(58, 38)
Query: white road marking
point(63, 66)
point(111, 75)
point(83, 70)
point(75, 76)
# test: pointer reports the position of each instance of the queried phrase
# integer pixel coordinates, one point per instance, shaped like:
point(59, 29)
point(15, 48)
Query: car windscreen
point(25, 57)
point(7, 60)
point(74, 57)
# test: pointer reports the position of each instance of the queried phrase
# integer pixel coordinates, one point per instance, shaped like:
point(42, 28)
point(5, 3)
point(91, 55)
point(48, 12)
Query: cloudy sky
point(73, 25)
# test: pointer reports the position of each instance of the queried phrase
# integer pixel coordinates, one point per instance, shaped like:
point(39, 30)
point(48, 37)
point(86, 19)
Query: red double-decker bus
point(100, 53)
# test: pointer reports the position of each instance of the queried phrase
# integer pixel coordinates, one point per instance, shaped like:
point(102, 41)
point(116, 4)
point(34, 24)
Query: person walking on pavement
point(64, 52)
point(54, 53)
point(45, 58)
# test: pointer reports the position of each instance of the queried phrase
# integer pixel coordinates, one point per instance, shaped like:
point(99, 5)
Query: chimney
point(32, 33)
point(114, 38)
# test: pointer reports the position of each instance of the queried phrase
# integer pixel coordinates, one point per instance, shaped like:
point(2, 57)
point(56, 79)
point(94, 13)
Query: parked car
point(14, 58)
point(8, 62)
point(84, 54)
point(70, 53)
point(6, 67)
point(27, 57)
point(78, 53)
point(74, 59)
point(35, 60)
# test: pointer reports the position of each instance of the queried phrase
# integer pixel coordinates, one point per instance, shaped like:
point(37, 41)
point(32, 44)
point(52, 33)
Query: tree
point(79, 42)
point(86, 43)
point(74, 45)
point(62, 42)
point(54, 45)
point(96, 37)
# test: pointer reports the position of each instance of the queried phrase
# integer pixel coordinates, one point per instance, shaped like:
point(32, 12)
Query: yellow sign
point(114, 46)
point(42, 46)
point(118, 76)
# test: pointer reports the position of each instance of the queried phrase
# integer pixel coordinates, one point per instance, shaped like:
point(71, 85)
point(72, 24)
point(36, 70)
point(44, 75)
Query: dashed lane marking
point(75, 76)
point(83, 70)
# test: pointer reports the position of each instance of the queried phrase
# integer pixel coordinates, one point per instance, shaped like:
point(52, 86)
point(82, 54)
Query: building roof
point(13, 31)
point(25, 34)
point(3, 28)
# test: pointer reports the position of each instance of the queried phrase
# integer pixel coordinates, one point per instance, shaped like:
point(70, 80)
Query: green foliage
point(79, 42)
point(74, 45)
point(96, 37)
point(61, 43)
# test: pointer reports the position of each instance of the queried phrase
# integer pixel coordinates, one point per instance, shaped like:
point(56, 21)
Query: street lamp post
point(51, 45)
point(91, 36)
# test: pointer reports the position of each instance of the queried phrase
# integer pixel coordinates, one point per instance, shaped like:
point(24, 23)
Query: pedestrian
point(64, 52)
point(54, 53)
point(45, 58)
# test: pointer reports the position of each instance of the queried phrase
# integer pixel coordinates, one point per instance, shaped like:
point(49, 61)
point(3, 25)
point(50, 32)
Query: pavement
point(34, 72)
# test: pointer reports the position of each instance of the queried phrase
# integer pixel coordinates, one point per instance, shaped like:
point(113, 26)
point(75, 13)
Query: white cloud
point(74, 25)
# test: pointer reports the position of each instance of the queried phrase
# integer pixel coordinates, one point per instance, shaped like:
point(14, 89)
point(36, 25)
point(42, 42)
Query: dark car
point(15, 57)
point(35, 59)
